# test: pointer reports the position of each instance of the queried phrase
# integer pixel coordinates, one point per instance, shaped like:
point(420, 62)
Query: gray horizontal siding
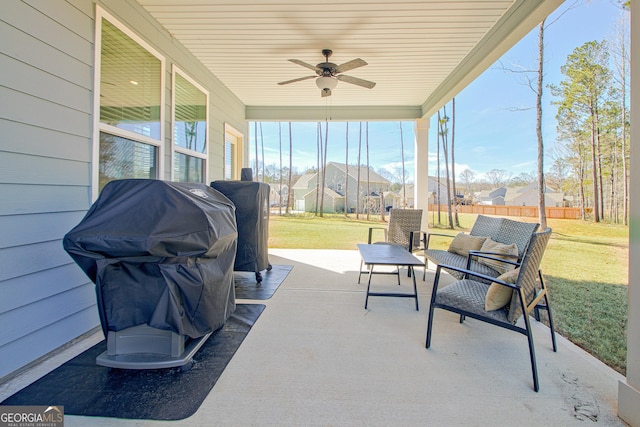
point(40, 84)
point(30, 199)
point(40, 54)
point(20, 107)
point(22, 260)
point(29, 169)
point(39, 141)
point(30, 347)
point(27, 289)
point(42, 313)
point(20, 230)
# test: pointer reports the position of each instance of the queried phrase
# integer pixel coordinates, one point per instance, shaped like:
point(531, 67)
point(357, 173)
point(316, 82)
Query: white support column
point(421, 174)
point(629, 390)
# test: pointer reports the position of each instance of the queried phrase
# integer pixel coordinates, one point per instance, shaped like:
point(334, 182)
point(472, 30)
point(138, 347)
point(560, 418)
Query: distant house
point(332, 202)
point(492, 197)
point(343, 184)
point(528, 196)
point(433, 186)
point(278, 196)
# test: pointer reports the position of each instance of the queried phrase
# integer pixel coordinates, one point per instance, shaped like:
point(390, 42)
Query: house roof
point(353, 172)
point(419, 53)
point(303, 181)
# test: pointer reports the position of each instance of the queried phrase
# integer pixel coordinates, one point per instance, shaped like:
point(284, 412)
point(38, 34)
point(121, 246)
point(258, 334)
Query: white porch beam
point(629, 390)
point(421, 173)
point(353, 113)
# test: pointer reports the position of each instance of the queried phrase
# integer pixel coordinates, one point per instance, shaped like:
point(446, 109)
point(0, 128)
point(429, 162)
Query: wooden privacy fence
point(523, 211)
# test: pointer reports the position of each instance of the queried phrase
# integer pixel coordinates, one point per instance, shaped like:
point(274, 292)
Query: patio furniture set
point(496, 266)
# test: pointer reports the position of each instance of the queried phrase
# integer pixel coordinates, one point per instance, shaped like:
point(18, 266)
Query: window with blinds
point(190, 117)
point(188, 168)
point(122, 158)
point(130, 84)
point(228, 159)
point(129, 115)
point(190, 125)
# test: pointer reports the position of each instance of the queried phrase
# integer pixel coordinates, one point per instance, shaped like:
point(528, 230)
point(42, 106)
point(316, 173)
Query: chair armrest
point(428, 238)
point(371, 233)
point(488, 255)
point(468, 273)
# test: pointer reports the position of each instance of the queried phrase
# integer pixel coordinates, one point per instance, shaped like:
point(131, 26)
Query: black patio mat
point(85, 388)
point(248, 288)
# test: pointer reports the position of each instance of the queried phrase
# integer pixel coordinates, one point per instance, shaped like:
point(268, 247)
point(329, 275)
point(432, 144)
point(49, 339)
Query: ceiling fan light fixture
point(324, 83)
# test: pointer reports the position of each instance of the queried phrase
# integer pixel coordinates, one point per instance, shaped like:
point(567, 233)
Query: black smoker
point(161, 255)
point(252, 216)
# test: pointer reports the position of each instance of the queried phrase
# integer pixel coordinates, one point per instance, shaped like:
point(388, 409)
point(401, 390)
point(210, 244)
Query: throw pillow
point(498, 248)
point(463, 243)
point(498, 295)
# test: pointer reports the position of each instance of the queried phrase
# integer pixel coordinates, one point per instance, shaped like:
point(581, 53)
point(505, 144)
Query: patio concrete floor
point(317, 357)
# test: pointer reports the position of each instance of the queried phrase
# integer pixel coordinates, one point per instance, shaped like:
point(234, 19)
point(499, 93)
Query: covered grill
point(161, 255)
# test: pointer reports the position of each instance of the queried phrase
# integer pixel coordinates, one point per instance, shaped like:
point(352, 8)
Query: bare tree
point(280, 174)
point(404, 184)
point(368, 170)
point(289, 190)
point(324, 166)
point(498, 177)
point(443, 131)
point(453, 160)
point(346, 173)
point(542, 214)
point(467, 176)
point(255, 137)
point(262, 144)
point(358, 192)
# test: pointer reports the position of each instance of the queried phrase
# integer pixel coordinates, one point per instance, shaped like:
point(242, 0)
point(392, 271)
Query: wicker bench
point(501, 230)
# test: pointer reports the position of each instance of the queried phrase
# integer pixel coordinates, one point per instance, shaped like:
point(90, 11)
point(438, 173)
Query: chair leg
point(547, 306)
point(532, 353)
point(431, 309)
point(551, 326)
point(462, 317)
point(360, 271)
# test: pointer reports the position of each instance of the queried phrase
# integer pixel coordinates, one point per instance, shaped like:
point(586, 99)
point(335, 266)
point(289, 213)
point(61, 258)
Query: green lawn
point(585, 267)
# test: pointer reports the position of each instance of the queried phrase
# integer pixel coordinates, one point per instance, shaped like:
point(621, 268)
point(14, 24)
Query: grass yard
point(585, 266)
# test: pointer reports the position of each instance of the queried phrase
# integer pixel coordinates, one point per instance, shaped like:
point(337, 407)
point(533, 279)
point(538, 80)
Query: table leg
point(415, 289)
point(366, 300)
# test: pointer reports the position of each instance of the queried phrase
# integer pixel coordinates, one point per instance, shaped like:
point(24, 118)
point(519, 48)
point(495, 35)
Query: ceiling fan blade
point(356, 81)
point(297, 80)
point(350, 65)
point(325, 92)
point(304, 64)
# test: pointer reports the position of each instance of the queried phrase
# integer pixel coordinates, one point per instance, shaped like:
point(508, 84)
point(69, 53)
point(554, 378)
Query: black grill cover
point(252, 216)
point(160, 253)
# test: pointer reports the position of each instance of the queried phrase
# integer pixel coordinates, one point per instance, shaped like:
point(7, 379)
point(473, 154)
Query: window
point(190, 129)
point(232, 152)
point(128, 105)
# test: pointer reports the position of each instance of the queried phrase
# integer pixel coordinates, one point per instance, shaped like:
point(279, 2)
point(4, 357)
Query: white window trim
point(101, 127)
point(239, 151)
point(176, 70)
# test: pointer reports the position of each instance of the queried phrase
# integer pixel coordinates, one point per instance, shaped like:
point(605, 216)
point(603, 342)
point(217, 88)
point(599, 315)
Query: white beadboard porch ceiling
point(420, 53)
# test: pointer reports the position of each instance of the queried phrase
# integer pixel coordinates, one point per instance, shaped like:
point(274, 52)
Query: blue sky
point(490, 133)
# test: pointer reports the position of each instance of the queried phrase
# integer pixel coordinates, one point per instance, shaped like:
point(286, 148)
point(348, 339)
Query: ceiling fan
point(328, 73)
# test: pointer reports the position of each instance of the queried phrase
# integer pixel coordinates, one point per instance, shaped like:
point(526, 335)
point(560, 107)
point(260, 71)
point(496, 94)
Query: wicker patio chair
point(402, 229)
point(467, 297)
point(501, 230)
